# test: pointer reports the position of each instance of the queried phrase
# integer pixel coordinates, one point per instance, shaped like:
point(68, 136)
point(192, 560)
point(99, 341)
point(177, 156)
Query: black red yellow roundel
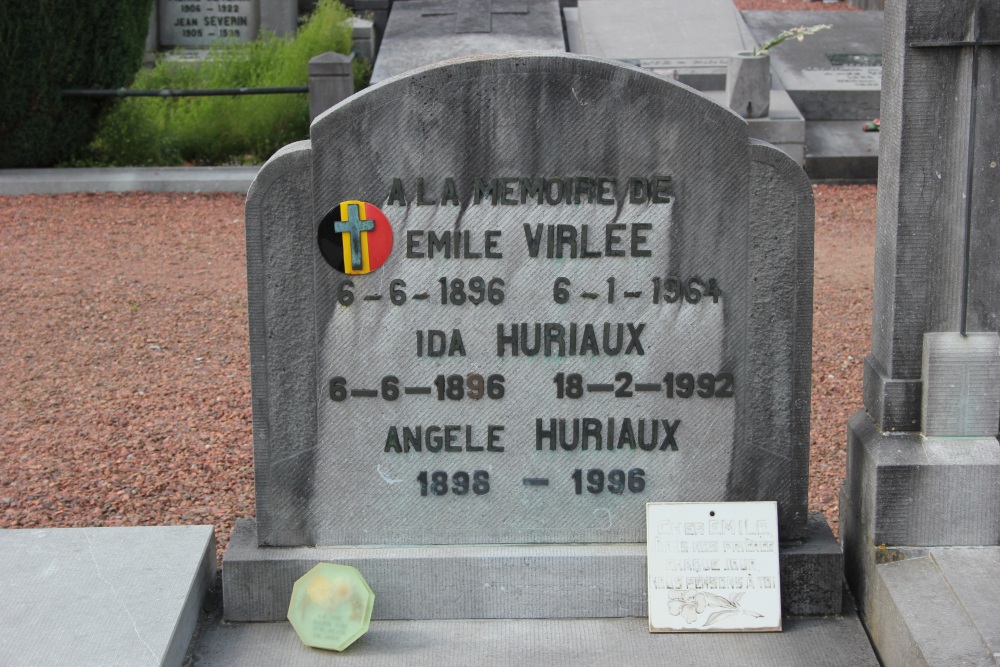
point(355, 237)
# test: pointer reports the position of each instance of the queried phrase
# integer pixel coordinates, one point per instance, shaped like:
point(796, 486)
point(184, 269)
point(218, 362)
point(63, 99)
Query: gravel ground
point(125, 392)
point(125, 395)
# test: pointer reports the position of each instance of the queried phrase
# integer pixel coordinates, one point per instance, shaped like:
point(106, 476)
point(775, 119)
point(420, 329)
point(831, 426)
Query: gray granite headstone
point(684, 41)
point(198, 23)
point(588, 305)
point(567, 223)
point(422, 32)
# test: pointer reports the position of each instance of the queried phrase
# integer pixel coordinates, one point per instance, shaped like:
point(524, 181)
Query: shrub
point(49, 45)
point(219, 130)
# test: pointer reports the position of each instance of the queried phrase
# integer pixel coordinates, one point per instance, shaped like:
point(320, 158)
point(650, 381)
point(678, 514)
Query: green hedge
point(222, 130)
point(49, 45)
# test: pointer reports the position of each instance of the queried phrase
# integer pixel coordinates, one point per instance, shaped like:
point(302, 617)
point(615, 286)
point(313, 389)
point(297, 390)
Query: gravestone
point(421, 32)
point(921, 503)
point(834, 74)
point(485, 333)
point(199, 23)
point(693, 40)
point(686, 41)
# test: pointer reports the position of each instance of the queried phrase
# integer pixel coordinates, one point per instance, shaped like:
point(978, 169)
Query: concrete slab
point(422, 32)
point(912, 488)
point(113, 179)
point(819, 642)
point(973, 574)
point(502, 581)
point(838, 150)
point(835, 74)
point(693, 39)
point(916, 618)
point(102, 596)
point(922, 606)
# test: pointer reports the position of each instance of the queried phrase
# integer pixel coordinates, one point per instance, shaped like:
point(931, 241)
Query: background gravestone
point(693, 40)
point(923, 463)
point(686, 41)
point(199, 23)
point(421, 32)
point(834, 78)
point(699, 252)
point(834, 74)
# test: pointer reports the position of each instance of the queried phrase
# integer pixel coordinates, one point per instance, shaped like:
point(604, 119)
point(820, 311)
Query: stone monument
point(199, 23)
point(834, 74)
point(566, 324)
point(494, 311)
point(921, 503)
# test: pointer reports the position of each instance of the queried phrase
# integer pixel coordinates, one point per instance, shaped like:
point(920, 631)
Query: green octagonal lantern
point(331, 606)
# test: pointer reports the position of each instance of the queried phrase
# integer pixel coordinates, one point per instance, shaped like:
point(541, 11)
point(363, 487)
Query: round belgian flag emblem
point(355, 237)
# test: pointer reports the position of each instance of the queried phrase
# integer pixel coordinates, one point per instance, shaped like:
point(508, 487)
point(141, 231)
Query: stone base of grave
point(102, 596)
point(840, 151)
point(820, 641)
point(906, 501)
point(502, 581)
point(936, 606)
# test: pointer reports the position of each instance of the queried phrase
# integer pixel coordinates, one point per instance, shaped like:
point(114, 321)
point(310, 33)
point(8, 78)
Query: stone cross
point(938, 192)
point(473, 16)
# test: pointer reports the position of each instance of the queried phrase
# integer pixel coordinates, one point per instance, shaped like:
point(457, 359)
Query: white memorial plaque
point(713, 567)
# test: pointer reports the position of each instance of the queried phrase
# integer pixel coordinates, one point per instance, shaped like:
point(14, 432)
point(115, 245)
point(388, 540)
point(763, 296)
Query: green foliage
point(230, 129)
point(50, 45)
